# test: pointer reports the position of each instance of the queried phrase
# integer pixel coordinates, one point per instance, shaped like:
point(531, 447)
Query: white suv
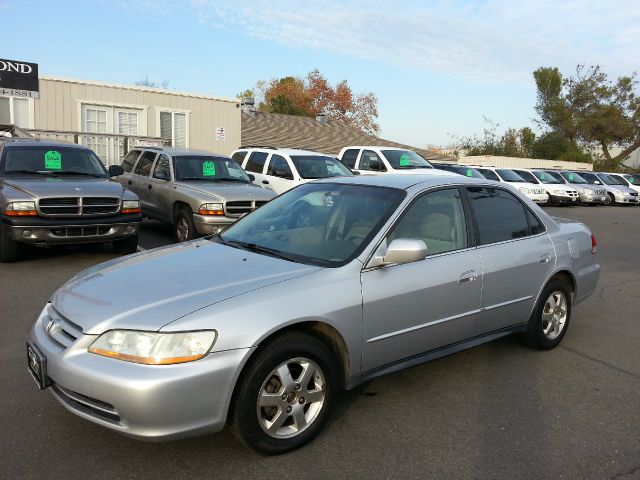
point(506, 175)
point(559, 192)
point(380, 160)
point(281, 169)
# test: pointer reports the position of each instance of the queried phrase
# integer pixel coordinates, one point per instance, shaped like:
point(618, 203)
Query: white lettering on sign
point(15, 67)
point(12, 92)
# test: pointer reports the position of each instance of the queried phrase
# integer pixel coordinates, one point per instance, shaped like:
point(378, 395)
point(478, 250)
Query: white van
point(506, 175)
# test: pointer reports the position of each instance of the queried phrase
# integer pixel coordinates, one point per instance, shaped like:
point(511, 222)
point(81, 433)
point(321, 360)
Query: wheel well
point(177, 206)
point(566, 277)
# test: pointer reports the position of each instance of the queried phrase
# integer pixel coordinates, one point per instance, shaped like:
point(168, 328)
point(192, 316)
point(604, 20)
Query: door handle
point(468, 277)
point(149, 187)
point(265, 182)
point(544, 259)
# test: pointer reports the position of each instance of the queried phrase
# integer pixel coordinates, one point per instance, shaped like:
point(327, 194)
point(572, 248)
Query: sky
point(437, 67)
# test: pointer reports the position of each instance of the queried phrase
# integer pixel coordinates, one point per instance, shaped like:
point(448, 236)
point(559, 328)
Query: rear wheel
point(184, 228)
point(126, 245)
point(550, 318)
point(9, 248)
point(285, 394)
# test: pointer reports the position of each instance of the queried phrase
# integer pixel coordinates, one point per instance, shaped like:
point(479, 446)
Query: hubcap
point(554, 315)
point(182, 228)
point(291, 398)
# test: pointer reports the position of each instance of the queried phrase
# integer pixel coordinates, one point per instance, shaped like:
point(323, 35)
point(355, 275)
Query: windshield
point(316, 166)
point(550, 177)
point(466, 171)
point(528, 176)
point(610, 180)
point(208, 168)
point(633, 179)
point(573, 177)
point(318, 223)
point(405, 159)
point(509, 175)
point(591, 178)
point(52, 160)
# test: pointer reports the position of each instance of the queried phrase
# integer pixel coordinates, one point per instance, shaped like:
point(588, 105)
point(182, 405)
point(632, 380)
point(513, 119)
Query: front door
point(416, 307)
point(279, 174)
point(160, 195)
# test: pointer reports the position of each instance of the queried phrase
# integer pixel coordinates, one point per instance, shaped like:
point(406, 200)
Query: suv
point(54, 193)
point(199, 193)
point(377, 160)
point(534, 191)
point(281, 169)
point(559, 192)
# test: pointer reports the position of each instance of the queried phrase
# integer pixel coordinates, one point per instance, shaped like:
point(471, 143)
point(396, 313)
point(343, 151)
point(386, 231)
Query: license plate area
point(37, 366)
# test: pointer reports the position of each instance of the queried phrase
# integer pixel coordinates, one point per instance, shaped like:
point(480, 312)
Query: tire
point(183, 228)
point(295, 411)
point(611, 200)
point(9, 248)
point(546, 329)
point(127, 245)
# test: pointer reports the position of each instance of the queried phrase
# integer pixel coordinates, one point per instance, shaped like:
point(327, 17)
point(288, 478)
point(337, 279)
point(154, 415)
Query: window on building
point(16, 111)
point(173, 126)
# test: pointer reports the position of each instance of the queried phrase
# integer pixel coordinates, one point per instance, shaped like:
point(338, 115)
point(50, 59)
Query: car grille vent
point(60, 329)
point(90, 231)
point(77, 206)
point(88, 405)
point(239, 208)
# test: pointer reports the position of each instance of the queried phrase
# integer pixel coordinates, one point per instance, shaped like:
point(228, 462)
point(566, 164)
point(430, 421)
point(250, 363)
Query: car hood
point(65, 186)
point(228, 191)
point(146, 291)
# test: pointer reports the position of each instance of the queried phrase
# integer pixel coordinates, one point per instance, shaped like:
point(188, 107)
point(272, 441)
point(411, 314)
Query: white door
point(279, 174)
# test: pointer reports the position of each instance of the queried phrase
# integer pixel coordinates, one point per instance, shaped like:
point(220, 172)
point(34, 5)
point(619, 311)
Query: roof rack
point(19, 139)
point(269, 147)
point(149, 147)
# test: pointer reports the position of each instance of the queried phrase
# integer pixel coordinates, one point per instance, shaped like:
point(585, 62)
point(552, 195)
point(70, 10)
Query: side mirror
point(115, 170)
point(162, 175)
point(355, 172)
point(282, 173)
point(251, 176)
point(403, 250)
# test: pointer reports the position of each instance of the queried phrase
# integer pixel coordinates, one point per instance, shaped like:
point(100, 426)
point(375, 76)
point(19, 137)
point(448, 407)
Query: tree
point(314, 95)
point(145, 82)
point(590, 110)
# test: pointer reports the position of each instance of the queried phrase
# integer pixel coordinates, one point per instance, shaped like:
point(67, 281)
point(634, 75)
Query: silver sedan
point(331, 284)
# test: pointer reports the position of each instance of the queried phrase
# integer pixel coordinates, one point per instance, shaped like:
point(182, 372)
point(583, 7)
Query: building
point(111, 118)
point(520, 162)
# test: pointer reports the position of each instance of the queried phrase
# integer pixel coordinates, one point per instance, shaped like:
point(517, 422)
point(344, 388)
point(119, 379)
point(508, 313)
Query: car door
point(140, 179)
point(128, 164)
point(371, 163)
point(412, 308)
point(279, 174)
point(160, 195)
point(255, 165)
point(516, 253)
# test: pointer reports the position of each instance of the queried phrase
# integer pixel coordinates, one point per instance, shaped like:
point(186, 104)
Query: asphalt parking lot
point(497, 411)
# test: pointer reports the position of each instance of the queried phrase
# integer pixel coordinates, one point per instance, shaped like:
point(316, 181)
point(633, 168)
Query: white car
point(559, 192)
point(627, 180)
point(280, 169)
point(384, 160)
point(506, 175)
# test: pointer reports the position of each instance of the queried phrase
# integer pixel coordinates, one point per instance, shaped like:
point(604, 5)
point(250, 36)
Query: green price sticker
point(571, 177)
point(469, 172)
point(209, 169)
point(52, 160)
point(404, 160)
point(542, 176)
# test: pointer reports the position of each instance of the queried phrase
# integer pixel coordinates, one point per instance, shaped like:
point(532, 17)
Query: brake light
point(594, 244)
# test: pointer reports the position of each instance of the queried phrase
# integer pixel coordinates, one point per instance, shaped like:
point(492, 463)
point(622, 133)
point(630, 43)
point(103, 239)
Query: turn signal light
point(21, 213)
point(210, 212)
point(594, 244)
point(131, 210)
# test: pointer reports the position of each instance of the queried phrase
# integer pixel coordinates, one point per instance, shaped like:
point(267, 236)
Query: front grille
point(60, 329)
point(76, 206)
point(239, 208)
point(88, 405)
point(89, 231)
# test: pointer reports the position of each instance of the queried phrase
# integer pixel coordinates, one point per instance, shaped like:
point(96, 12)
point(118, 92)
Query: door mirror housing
point(355, 172)
point(115, 170)
point(403, 250)
point(251, 176)
point(282, 173)
point(162, 175)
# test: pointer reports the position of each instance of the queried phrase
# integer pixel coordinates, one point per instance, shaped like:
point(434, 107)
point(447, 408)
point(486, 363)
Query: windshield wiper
point(73, 172)
point(253, 247)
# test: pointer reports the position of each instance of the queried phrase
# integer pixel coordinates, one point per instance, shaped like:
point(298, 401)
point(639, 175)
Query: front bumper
point(211, 224)
point(626, 199)
point(562, 199)
point(153, 403)
point(592, 198)
point(539, 198)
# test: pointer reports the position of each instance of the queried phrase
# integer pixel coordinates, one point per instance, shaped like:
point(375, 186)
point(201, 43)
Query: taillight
point(594, 244)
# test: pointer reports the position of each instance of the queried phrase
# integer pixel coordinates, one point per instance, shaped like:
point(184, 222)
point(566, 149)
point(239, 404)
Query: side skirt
point(431, 355)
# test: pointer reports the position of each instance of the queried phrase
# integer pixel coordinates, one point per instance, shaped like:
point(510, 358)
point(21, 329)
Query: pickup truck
point(198, 193)
point(54, 193)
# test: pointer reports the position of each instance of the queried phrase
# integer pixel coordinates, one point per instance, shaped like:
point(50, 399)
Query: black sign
point(19, 78)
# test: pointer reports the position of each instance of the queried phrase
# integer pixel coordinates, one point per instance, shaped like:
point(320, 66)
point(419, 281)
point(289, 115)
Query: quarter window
point(438, 219)
point(278, 167)
point(130, 160)
point(349, 157)
point(499, 214)
point(239, 156)
point(256, 162)
point(144, 164)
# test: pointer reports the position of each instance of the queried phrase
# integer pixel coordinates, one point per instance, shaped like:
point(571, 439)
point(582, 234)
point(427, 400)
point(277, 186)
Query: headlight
point(524, 190)
point(21, 209)
point(130, 206)
point(211, 209)
point(152, 348)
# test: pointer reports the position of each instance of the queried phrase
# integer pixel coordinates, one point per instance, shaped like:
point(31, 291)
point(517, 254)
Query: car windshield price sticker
point(404, 160)
point(469, 172)
point(52, 160)
point(571, 177)
point(209, 169)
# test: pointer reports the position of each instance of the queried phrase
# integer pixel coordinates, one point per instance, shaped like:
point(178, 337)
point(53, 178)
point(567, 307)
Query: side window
point(437, 218)
point(278, 167)
point(489, 174)
point(371, 161)
point(144, 164)
point(499, 214)
point(534, 223)
point(161, 169)
point(130, 160)
point(349, 157)
point(239, 156)
point(256, 162)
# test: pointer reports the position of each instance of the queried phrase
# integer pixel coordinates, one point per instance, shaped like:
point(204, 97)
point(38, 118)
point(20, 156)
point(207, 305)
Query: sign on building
point(19, 79)
point(220, 134)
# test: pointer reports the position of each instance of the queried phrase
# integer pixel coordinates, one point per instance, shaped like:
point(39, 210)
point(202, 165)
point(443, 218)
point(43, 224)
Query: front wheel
point(550, 318)
point(185, 229)
point(9, 248)
point(285, 394)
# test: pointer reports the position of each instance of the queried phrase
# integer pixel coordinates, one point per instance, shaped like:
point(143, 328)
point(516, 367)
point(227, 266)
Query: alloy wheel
point(182, 229)
point(554, 315)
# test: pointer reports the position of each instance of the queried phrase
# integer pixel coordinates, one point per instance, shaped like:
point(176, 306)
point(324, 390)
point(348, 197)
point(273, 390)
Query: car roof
point(379, 147)
point(181, 151)
point(407, 181)
point(286, 151)
point(40, 143)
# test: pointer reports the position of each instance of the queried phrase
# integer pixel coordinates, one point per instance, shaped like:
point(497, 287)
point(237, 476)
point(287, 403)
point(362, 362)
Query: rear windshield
point(509, 175)
point(318, 166)
point(405, 160)
point(52, 161)
point(208, 168)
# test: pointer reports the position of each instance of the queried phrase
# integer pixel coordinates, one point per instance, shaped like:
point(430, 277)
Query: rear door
point(516, 253)
point(160, 195)
point(128, 164)
point(140, 178)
